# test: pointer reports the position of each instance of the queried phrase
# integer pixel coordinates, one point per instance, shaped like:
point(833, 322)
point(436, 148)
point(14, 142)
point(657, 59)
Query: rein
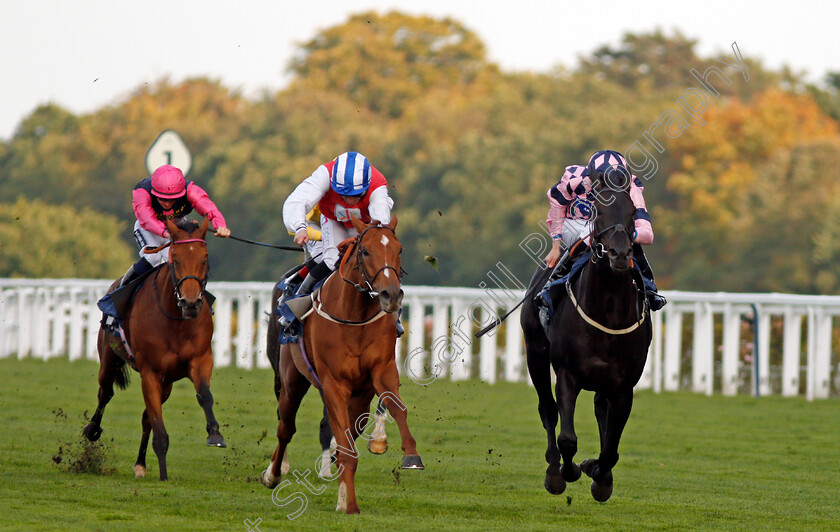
point(597, 325)
point(318, 307)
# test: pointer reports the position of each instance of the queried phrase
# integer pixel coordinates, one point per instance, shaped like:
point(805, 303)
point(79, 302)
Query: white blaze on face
point(384, 242)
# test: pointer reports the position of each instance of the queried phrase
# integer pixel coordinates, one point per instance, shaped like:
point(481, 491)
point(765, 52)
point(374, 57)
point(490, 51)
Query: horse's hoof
point(412, 461)
point(215, 440)
point(265, 482)
point(92, 432)
point(601, 492)
point(139, 471)
point(377, 447)
point(570, 472)
point(588, 467)
point(555, 484)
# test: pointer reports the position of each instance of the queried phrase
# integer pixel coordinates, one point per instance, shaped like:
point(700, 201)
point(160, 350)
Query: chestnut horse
point(168, 330)
point(350, 339)
point(597, 340)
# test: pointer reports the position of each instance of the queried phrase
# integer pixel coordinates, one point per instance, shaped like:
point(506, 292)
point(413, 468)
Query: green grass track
point(688, 462)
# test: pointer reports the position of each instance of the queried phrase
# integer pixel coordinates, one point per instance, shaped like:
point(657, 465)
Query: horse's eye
point(365, 252)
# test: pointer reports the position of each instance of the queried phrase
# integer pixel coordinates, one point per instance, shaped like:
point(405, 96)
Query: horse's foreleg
point(387, 382)
point(152, 395)
point(612, 414)
point(140, 464)
point(540, 370)
point(567, 389)
point(200, 370)
point(337, 398)
point(291, 396)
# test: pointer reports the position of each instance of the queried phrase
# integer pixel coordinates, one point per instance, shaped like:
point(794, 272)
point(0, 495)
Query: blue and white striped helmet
point(350, 174)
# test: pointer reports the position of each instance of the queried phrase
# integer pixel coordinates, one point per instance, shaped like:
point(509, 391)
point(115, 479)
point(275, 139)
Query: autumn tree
point(383, 62)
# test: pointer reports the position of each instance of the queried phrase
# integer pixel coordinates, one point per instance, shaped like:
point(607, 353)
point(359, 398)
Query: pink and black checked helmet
point(609, 167)
point(168, 182)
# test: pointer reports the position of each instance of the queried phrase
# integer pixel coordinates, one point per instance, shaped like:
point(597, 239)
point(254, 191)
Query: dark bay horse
point(597, 340)
point(168, 329)
point(350, 340)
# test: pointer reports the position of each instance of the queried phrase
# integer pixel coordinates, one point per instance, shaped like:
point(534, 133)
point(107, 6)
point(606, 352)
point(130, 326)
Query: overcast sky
point(85, 54)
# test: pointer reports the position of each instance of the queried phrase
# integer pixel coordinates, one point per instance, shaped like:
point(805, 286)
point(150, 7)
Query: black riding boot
point(137, 269)
point(563, 267)
point(293, 279)
point(316, 273)
point(655, 300)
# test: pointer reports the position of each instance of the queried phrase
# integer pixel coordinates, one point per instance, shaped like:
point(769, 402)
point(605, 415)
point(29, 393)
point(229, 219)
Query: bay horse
point(168, 330)
point(350, 340)
point(597, 340)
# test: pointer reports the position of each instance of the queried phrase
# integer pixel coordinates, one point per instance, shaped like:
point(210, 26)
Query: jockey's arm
point(641, 219)
point(204, 206)
point(141, 203)
point(380, 205)
point(303, 198)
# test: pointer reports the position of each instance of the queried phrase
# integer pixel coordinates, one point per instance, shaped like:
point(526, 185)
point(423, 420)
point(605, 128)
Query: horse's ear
point(174, 230)
point(393, 224)
point(358, 224)
point(202, 231)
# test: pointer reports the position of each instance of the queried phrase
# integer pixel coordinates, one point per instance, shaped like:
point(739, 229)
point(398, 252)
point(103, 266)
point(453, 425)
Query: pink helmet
point(168, 182)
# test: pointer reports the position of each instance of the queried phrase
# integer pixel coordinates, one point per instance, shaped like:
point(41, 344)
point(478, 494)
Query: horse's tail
point(122, 376)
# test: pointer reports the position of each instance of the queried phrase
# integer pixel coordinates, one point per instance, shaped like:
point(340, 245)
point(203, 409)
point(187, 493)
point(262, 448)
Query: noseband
point(599, 249)
point(366, 286)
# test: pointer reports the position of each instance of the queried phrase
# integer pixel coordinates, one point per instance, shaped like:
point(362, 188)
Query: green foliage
point(41, 240)
point(469, 152)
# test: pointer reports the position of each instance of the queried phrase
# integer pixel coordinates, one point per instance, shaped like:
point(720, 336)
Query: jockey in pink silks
point(166, 195)
point(570, 211)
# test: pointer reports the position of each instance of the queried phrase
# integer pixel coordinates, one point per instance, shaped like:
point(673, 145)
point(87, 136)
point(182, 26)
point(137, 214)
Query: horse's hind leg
point(291, 396)
point(567, 390)
point(140, 464)
point(200, 370)
point(325, 436)
point(111, 368)
point(378, 442)
point(612, 414)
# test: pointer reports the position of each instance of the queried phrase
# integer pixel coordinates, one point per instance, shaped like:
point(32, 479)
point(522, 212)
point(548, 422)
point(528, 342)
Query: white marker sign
point(168, 148)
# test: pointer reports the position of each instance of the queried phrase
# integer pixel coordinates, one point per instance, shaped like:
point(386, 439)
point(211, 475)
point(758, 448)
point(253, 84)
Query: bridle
point(176, 282)
point(366, 286)
point(598, 248)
